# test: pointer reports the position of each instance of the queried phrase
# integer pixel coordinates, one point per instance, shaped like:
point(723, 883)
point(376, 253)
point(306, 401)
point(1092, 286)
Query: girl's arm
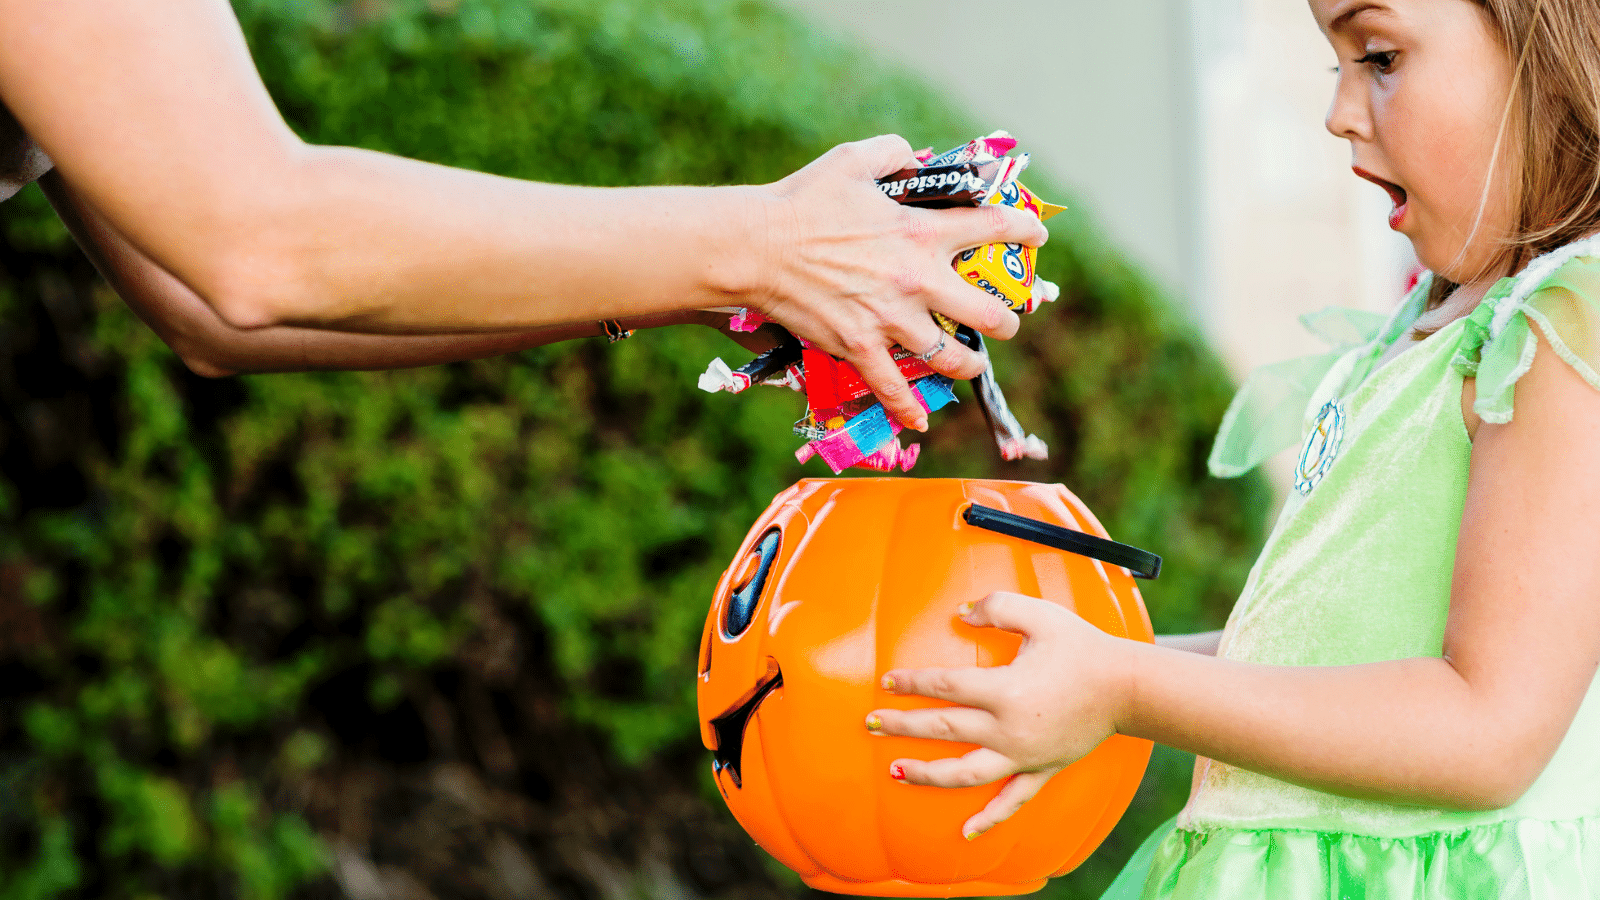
point(1205, 642)
point(156, 116)
point(1471, 729)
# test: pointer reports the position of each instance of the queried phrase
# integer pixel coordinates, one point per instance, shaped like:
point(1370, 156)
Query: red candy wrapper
point(844, 424)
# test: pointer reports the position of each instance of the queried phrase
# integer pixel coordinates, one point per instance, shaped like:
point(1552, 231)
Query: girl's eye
point(1382, 60)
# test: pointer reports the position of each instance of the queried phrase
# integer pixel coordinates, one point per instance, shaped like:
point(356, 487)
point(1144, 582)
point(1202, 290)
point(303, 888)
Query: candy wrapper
point(844, 424)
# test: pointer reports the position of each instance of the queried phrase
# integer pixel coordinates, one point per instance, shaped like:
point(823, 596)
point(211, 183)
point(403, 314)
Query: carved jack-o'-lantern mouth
point(729, 727)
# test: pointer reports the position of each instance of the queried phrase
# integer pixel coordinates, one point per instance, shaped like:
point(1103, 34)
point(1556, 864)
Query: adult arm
point(211, 346)
point(159, 120)
point(1471, 729)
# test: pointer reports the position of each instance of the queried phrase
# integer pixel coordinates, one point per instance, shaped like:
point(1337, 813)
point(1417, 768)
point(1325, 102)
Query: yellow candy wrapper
point(1006, 270)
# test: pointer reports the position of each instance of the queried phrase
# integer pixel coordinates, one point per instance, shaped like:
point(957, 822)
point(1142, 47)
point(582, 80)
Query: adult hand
point(1060, 697)
point(854, 272)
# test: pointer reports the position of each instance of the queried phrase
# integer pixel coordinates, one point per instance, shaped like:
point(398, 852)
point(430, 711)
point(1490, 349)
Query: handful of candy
point(844, 423)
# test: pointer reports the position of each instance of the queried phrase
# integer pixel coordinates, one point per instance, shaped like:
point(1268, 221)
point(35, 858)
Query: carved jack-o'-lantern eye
point(749, 584)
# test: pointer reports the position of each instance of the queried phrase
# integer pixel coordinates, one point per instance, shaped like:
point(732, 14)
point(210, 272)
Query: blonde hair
point(1552, 122)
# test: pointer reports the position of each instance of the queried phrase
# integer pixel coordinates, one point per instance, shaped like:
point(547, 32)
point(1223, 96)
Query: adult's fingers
point(1019, 790)
point(878, 156)
point(881, 374)
point(943, 353)
point(981, 766)
point(969, 304)
point(941, 723)
point(962, 228)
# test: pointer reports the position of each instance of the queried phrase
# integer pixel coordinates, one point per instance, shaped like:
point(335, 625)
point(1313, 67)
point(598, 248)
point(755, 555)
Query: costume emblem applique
point(1321, 446)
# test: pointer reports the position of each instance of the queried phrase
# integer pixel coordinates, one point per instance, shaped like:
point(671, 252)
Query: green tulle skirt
point(1519, 859)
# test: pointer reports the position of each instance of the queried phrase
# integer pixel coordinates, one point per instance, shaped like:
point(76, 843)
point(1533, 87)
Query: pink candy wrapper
point(842, 425)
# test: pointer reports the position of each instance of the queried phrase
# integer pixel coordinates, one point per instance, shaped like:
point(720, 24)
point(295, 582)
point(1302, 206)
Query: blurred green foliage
point(185, 570)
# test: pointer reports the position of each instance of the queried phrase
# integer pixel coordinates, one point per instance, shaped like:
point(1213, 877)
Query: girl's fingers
point(941, 723)
point(981, 766)
point(1019, 790)
point(1012, 612)
point(968, 686)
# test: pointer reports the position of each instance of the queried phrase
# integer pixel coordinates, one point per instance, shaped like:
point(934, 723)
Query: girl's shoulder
point(1553, 302)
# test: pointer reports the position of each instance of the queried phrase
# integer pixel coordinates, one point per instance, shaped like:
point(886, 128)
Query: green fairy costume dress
point(1358, 570)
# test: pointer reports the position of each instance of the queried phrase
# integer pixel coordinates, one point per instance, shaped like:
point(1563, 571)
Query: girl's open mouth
point(1396, 194)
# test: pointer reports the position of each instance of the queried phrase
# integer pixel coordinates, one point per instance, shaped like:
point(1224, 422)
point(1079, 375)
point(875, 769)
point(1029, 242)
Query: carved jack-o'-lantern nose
point(840, 581)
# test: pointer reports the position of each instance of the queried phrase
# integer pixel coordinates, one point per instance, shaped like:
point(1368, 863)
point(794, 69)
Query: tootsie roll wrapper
point(844, 425)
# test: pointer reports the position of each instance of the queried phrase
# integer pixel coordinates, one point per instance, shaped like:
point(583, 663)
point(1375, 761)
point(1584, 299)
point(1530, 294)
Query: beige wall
point(1099, 95)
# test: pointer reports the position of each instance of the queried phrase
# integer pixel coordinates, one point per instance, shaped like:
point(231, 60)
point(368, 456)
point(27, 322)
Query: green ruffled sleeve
point(1503, 333)
point(1270, 411)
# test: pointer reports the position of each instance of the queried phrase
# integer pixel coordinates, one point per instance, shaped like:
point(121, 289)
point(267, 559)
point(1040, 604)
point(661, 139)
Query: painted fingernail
point(888, 682)
point(874, 722)
point(970, 835)
point(897, 772)
point(965, 609)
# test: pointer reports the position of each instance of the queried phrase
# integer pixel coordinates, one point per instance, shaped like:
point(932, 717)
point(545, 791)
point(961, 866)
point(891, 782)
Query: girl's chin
point(1448, 256)
point(1451, 264)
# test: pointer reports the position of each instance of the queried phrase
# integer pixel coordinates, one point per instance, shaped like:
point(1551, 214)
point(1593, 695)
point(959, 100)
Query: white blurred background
point(1193, 130)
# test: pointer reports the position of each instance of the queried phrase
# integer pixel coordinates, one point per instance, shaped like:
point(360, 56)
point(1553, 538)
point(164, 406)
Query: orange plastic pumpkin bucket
point(842, 580)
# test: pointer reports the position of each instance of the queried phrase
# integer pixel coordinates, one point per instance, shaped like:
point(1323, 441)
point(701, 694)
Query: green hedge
point(203, 582)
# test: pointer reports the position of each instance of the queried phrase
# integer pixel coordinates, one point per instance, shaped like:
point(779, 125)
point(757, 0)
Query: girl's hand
point(853, 272)
point(1062, 695)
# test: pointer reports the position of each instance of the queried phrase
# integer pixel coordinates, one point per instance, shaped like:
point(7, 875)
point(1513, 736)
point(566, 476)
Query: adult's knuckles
point(849, 153)
point(862, 342)
point(892, 393)
point(888, 145)
point(909, 281)
point(992, 313)
point(998, 220)
point(918, 227)
point(969, 365)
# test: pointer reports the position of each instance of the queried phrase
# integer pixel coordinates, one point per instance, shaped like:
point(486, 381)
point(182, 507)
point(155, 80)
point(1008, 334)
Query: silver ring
point(928, 357)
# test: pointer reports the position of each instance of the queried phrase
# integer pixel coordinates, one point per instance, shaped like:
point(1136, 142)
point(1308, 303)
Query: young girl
point(1402, 703)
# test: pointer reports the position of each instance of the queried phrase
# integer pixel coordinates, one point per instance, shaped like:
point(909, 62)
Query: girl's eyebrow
point(1344, 19)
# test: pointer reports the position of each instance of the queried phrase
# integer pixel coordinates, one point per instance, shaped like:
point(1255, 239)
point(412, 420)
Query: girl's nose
point(1348, 116)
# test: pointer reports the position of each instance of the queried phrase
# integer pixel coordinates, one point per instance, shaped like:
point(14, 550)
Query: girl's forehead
point(1335, 16)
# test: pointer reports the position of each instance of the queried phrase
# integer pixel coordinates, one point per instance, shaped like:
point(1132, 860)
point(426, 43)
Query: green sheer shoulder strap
point(1270, 412)
point(1560, 294)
